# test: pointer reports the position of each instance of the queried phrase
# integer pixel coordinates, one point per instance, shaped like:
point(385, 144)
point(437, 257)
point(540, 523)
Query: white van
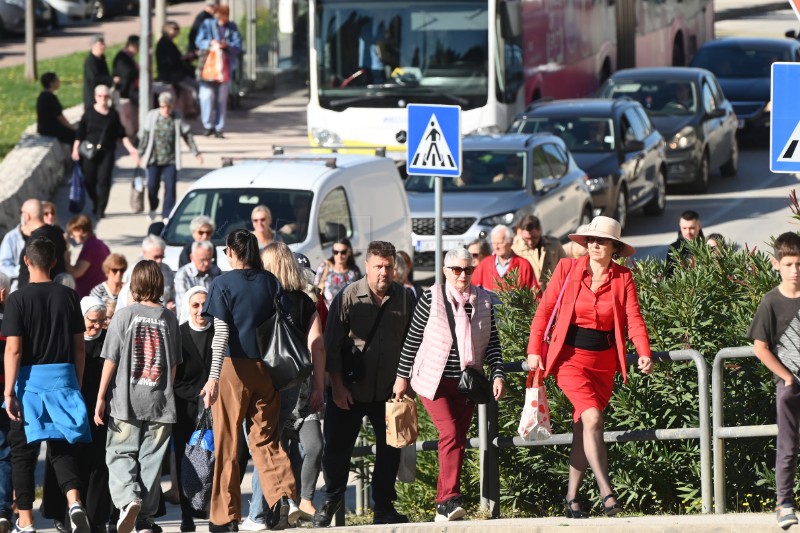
point(326, 197)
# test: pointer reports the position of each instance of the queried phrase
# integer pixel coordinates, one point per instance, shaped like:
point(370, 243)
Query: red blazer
point(627, 318)
point(485, 274)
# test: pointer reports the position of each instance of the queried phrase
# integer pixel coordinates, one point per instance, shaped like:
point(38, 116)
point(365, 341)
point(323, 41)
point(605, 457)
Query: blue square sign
point(434, 140)
point(784, 129)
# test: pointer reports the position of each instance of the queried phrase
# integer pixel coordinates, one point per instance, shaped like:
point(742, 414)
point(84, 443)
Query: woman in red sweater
point(587, 346)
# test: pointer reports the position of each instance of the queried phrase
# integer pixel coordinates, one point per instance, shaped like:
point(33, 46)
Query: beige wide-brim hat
point(605, 228)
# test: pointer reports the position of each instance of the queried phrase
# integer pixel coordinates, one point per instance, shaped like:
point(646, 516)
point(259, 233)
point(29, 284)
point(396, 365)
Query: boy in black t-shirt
point(44, 360)
point(775, 331)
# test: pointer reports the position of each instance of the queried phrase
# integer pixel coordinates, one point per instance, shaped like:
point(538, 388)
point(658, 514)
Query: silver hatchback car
point(504, 178)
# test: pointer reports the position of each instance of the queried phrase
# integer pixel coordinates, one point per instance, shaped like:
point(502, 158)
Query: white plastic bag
point(535, 421)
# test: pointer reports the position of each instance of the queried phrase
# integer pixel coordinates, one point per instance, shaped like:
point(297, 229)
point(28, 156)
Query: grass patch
point(18, 96)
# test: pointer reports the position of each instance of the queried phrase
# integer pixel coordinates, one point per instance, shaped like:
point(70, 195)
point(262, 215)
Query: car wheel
point(701, 179)
point(729, 169)
point(657, 205)
point(621, 210)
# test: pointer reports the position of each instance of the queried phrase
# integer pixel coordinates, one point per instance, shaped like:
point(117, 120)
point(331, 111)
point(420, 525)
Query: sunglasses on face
point(476, 256)
point(340, 252)
point(457, 270)
point(120, 270)
point(599, 240)
point(259, 220)
point(158, 257)
point(204, 232)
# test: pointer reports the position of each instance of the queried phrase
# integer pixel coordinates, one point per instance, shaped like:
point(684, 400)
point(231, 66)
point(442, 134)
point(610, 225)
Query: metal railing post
point(489, 458)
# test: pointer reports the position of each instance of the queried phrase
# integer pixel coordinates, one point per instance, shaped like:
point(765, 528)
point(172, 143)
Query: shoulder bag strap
point(374, 328)
point(558, 303)
point(451, 319)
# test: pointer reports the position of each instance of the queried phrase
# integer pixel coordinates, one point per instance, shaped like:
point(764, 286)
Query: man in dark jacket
point(126, 70)
point(371, 315)
point(207, 13)
point(95, 70)
point(690, 230)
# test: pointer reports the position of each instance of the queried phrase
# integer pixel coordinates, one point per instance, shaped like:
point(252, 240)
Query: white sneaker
point(127, 516)
point(294, 512)
point(79, 522)
point(252, 525)
point(27, 529)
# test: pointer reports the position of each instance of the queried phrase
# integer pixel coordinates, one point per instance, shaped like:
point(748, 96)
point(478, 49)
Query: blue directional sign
point(434, 140)
point(784, 145)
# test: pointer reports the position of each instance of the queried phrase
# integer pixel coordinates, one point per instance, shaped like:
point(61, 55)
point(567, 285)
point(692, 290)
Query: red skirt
point(586, 377)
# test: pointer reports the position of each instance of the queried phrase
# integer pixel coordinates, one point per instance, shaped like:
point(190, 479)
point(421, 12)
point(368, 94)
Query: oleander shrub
point(706, 305)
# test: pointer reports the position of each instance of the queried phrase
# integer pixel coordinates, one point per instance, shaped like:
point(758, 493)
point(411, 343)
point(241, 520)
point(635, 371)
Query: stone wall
point(35, 168)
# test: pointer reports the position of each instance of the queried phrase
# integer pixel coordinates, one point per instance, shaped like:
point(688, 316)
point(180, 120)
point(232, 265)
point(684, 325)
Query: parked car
point(614, 141)
point(12, 16)
point(743, 68)
point(65, 11)
point(504, 177)
point(107, 9)
point(322, 198)
point(688, 108)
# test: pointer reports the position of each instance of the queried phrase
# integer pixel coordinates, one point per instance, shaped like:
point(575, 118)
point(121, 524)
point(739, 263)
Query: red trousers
point(451, 413)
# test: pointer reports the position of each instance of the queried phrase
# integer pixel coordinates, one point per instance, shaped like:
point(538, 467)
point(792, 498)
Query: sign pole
point(437, 194)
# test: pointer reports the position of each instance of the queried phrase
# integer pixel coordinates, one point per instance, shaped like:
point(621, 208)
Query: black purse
point(88, 150)
point(284, 349)
point(353, 356)
point(472, 384)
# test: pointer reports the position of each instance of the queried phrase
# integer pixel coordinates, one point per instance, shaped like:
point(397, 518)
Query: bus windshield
point(392, 52)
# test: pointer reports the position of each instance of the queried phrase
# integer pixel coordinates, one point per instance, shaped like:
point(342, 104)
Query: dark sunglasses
point(339, 252)
point(599, 240)
point(457, 270)
point(476, 256)
point(118, 270)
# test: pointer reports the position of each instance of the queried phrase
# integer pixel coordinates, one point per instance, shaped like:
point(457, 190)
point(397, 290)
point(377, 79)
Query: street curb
point(741, 12)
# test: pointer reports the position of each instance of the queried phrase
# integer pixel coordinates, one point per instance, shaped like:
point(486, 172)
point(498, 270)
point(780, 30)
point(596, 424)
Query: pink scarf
point(463, 326)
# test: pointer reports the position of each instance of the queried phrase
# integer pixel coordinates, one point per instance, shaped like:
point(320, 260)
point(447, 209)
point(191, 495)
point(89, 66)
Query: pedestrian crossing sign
point(784, 130)
point(434, 140)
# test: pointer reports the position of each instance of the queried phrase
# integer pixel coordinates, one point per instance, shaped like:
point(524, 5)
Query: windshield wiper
point(343, 102)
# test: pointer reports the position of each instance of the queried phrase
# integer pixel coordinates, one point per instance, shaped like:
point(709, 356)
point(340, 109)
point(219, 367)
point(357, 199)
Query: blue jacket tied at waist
point(52, 405)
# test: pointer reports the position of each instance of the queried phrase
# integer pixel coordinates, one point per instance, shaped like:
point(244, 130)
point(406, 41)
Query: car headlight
point(685, 138)
point(486, 130)
point(598, 184)
point(325, 137)
point(502, 218)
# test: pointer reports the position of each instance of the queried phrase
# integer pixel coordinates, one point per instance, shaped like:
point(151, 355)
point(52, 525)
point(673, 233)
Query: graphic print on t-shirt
point(148, 351)
point(788, 348)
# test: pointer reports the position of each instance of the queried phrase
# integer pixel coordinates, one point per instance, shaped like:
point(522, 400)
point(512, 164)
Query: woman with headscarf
point(190, 376)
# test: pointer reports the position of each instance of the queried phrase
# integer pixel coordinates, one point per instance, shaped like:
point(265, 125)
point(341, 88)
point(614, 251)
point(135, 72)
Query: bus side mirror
point(510, 19)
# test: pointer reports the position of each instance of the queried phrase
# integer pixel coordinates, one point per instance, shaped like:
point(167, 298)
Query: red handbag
point(548, 329)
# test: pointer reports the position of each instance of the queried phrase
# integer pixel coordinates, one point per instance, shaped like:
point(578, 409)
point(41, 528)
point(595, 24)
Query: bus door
point(626, 33)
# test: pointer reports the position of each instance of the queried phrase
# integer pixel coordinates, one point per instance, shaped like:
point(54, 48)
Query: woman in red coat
point(587, 346)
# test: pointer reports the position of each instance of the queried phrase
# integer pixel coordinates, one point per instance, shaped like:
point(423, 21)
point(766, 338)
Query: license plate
point(741, 123)
point(429, 245)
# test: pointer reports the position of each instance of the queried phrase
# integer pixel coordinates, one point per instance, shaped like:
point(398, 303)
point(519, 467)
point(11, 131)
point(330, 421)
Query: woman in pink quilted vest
point(435, 354)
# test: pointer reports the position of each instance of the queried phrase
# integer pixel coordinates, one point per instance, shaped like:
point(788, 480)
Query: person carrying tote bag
point(432, 362)
point(598, 308)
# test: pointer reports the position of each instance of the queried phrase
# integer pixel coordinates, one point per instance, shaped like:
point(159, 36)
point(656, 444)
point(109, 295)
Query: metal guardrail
point(722, 432)
point(489, 442)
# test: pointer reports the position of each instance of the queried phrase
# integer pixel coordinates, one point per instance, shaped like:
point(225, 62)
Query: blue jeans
point(6, 490)
point(213, 103)
point(155, 173)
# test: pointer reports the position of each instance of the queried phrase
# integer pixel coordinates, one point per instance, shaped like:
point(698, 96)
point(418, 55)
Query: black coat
point(192, 373)
point(128, 71)
point(198, 21)
point(169, 62)
point(95, 72)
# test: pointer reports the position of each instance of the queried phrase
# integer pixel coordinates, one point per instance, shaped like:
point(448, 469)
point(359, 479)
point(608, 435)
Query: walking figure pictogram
point(433, 150)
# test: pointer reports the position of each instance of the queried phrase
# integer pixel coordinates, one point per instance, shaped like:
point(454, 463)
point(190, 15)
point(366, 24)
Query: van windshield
point(230, 209)
point(481, 170)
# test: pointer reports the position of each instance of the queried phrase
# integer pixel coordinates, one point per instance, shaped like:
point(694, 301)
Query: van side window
point(335, 221)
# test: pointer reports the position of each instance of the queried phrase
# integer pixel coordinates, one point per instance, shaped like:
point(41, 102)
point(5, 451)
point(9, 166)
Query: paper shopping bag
point(401, 422)
point(535, 420)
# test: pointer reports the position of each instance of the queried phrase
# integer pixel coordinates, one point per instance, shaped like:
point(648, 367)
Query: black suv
point(615, 143)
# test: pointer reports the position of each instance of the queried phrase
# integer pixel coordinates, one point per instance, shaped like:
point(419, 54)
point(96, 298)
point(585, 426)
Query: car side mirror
point(634, 146)
point(791, 34)
point(546, 185)
point(156, 228)
point(716, 113)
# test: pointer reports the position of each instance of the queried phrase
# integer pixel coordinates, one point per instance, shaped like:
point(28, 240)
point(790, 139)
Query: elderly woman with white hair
point(493, 271)
point(202, 228)
point(453, 328)
point(95, 145)
point(160, 149)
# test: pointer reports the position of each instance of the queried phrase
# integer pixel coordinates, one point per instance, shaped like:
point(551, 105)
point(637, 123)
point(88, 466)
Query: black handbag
point(353, 356)
point(88, 149)
point(284, 349)
point(472, 384)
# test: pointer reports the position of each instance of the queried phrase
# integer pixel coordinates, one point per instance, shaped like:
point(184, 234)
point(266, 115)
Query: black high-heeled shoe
point(613, 509)
point(569, 512)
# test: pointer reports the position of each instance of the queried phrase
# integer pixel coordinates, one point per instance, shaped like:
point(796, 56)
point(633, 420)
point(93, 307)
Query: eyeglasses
point(457, 270)
point(340, 252)
point(120, 270)
point(103, 96)
point(476, 256)
point(225, 250)
point(98, 322)
point(259, 220)
point(49, 214)
point(599, 240)
point(158, 257)
point(205, 232)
